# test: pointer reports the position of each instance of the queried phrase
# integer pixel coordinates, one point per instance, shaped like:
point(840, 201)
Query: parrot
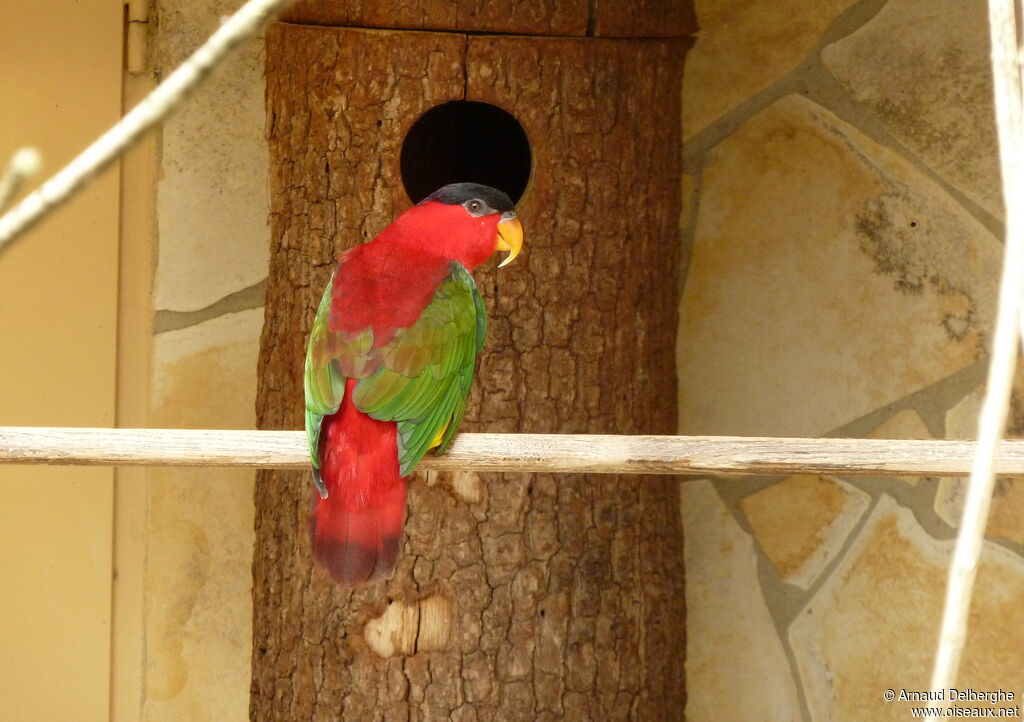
point(391, 355)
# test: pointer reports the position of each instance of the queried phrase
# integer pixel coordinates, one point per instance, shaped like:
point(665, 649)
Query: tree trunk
point(517, 596)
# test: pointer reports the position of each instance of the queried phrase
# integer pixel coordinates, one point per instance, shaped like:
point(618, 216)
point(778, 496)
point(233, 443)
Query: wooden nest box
point(517, 596)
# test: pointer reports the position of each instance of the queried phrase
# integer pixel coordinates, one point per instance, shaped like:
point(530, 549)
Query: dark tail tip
point(352, 564)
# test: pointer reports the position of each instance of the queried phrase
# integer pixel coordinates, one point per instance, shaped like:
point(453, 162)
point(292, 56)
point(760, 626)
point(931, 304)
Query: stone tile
point(817, 255)
point(204, 376)
point(200, 529)
point(922, 66)
point(962, 419)
point(735, 665)
point(1007, 510)
point(212, 198)
point(197, 608)
point(904, 424)
point(745, 46)
point(874, 624)
point(802, 522)
point(1005, 515)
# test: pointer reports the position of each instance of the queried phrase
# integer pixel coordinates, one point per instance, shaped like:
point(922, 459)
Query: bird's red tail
point(357, 529)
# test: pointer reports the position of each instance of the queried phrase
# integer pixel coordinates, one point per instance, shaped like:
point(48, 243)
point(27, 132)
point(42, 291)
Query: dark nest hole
point(465, 141)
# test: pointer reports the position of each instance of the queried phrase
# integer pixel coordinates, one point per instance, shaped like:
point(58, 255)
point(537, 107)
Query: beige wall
point(842, 234)
point(61, 85)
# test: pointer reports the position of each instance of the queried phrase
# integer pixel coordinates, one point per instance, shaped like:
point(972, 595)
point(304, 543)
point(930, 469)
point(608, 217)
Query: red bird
point(390, 360)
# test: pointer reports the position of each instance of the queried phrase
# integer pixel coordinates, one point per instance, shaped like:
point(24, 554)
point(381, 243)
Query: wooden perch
point(598, 454)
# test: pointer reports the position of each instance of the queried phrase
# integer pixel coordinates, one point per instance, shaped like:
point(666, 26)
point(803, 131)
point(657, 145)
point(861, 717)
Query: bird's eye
point(475, 206)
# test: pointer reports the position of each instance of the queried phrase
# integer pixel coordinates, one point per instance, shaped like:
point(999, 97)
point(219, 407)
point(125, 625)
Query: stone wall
point(211, 262)
point(842, 236)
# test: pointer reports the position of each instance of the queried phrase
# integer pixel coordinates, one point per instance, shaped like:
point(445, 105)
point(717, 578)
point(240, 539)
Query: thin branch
point(23, 165)
point(1006, 79)
point(153, 109)
point(553, 453)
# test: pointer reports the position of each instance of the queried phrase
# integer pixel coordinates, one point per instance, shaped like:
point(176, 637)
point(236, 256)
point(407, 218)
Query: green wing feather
point(467, 370)
point(323, 379)
point(420, 380)
point(424, 378)
point(331, 358)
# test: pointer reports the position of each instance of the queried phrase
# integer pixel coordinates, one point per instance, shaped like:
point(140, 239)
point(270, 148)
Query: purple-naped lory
point(390, 360)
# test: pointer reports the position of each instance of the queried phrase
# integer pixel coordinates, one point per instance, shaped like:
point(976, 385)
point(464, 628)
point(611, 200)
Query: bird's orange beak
point(510, 238)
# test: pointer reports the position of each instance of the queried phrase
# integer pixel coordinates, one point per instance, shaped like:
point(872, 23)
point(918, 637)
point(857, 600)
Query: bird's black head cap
point(455, 194)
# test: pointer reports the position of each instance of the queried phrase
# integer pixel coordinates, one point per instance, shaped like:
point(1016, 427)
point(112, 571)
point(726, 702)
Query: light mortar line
point(242, 300)
point(779, 597)
point(846, 23)
point(785, 601)
point(823, 88)
point(811, 79)
point(931, 403)
point(810, 595)
point(688, 230)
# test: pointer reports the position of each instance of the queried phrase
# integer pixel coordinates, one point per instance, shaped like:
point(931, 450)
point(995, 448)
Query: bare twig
point(566, 453)
point(1006, 77)
point(23, 165)
point(153, 108)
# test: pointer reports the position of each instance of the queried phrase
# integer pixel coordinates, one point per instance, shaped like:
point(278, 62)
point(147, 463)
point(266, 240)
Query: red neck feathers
point(387, 282)
point(446, 231)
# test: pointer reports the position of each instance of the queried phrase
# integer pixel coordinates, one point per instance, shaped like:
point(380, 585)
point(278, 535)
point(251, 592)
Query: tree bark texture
point(517, 596)
point(600, 18)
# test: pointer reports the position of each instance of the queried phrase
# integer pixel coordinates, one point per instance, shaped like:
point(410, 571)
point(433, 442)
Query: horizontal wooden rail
point(597, 454)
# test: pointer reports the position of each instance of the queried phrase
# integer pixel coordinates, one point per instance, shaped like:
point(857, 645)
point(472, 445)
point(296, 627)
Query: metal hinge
point(136, 35)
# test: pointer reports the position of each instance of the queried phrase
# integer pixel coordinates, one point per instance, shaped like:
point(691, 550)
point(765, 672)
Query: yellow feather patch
point(440, 435)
